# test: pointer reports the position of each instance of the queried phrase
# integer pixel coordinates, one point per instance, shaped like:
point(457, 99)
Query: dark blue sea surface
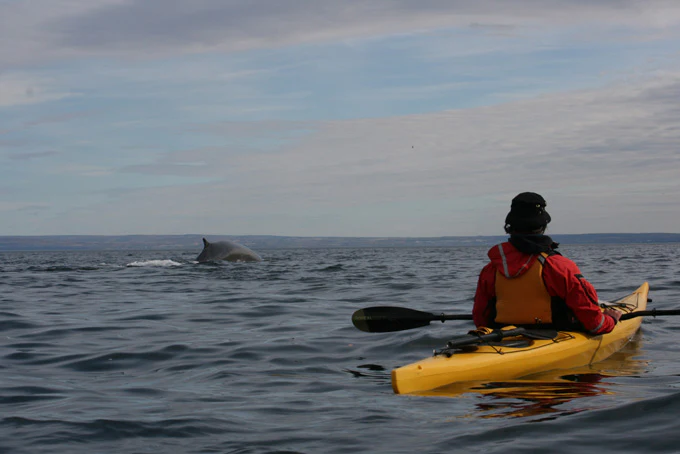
point(147, 352)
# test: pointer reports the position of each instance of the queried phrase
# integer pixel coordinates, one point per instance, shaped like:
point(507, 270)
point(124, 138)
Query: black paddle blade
point(385, 319)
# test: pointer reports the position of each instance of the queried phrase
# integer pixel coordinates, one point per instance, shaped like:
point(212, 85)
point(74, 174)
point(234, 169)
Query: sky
point(379, 118)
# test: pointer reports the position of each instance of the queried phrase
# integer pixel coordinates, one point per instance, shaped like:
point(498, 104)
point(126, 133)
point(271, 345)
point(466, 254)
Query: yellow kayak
point(519, 356)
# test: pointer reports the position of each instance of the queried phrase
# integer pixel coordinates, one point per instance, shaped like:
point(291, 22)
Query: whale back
point(226, 250)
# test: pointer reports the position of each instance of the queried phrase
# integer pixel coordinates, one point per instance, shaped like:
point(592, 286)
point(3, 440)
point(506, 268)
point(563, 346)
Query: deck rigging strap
point(487, 336)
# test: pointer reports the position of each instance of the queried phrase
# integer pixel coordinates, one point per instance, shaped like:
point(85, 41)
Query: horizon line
point(313, 236)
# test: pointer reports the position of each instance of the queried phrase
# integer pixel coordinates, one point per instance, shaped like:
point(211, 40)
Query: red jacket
point(562, 279)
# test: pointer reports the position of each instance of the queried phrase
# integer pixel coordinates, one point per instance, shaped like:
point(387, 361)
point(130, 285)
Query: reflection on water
point(532, 398)
point(373, 372)
point(541, 394)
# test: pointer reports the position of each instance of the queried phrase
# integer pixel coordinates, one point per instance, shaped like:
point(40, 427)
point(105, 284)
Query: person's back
point(527, 282)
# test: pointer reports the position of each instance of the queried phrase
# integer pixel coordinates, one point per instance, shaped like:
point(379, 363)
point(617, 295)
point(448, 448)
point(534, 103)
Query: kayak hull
point(510, 361)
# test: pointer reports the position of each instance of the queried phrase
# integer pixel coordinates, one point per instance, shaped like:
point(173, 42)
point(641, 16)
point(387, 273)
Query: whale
point(226, 250)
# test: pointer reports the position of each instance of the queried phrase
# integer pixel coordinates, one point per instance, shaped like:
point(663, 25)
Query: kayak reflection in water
point(528, 283)
point(533, 398)
point(552, 394)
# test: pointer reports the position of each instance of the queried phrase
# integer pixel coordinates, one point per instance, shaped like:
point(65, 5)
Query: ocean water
point(148, 352)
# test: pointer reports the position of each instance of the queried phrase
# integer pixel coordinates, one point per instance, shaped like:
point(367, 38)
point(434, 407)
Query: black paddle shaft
point(653, 313)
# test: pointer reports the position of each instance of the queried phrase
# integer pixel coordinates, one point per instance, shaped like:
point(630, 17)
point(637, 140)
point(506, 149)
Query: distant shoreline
point(194, 241)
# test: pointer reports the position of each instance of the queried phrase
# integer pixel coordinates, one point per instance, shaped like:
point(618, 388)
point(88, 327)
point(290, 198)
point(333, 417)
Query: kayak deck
point(518, 356)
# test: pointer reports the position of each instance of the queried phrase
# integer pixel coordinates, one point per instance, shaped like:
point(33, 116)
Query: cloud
point(559, 131)
point(238, 25)
point(30, 156)
point(587, 152)
point(20, 126)
point(20, 89)
point(41, 30)
point(21, 207)
point(80, 170)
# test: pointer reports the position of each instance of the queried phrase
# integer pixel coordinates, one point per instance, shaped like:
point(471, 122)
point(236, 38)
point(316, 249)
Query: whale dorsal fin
point(205, 243)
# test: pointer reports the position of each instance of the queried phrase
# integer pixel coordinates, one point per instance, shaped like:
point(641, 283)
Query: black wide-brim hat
point(527, 213)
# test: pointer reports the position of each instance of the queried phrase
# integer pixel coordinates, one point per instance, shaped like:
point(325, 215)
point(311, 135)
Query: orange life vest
point(523, 300)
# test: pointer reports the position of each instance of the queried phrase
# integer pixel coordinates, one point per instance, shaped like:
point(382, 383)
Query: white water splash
point(161, 263)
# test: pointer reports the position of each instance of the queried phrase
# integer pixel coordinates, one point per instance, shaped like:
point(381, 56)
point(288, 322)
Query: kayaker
point(528, 282)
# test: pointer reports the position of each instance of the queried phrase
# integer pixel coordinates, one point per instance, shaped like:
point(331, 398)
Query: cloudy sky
point(337, 118)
